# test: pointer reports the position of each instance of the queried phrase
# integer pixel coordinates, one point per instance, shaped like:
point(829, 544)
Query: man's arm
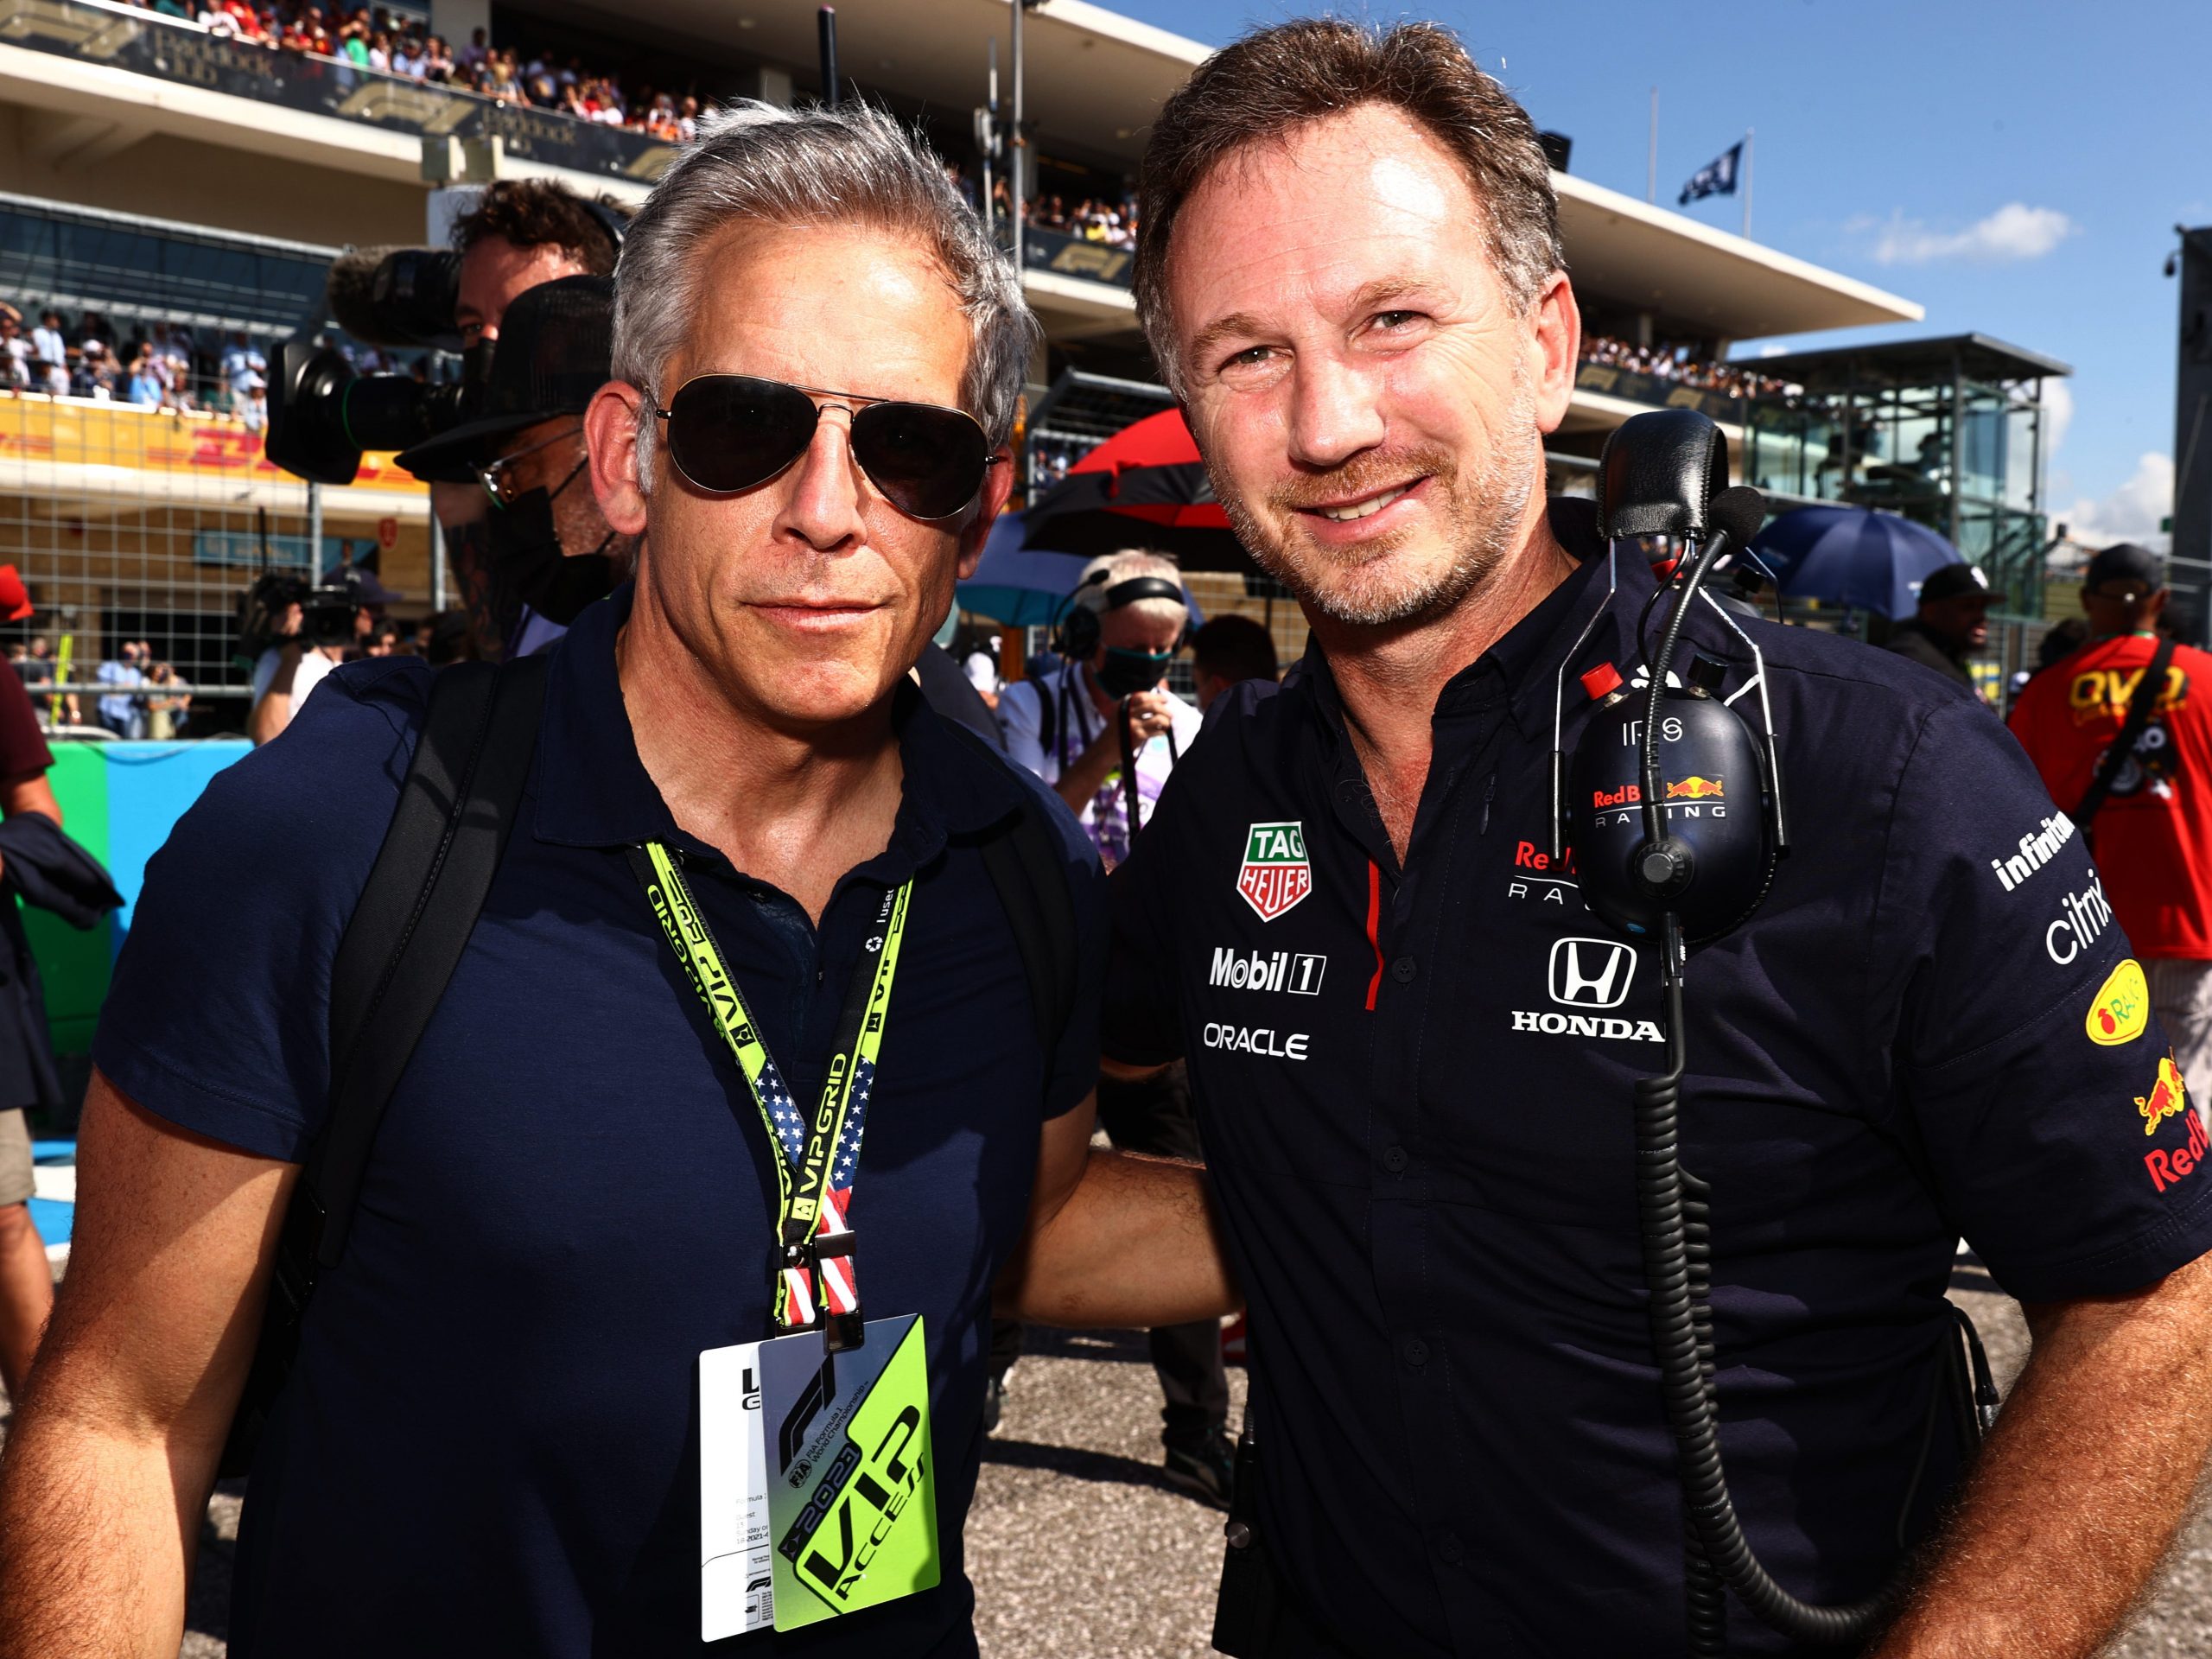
point(2082, 1485)
point(1116, 1242)
point(114, 1452)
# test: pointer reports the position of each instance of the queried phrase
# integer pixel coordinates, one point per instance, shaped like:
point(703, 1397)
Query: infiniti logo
point(1592, 973)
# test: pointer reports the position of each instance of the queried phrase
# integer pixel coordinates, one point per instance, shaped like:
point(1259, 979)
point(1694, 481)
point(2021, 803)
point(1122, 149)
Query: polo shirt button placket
point(1414, 1352)
point(1402, 970)
point(1394, 1159)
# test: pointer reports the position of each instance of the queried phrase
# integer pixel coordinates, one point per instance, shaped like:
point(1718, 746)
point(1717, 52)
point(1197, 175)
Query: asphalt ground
point(1080, 1550)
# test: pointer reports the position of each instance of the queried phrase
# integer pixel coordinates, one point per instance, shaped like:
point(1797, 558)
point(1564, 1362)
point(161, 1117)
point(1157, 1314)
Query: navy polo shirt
point(491, 1445)
point(1413, 1087)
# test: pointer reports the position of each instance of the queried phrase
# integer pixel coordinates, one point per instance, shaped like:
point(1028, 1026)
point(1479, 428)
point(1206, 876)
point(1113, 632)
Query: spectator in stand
point(472, 56)
point(122, 714)
point(95, 375)
point(15, 350)
point(145, 378)
point(165, 711)
point(437, 59)
point(253, 403)
point(240, 357)
point(50, 353)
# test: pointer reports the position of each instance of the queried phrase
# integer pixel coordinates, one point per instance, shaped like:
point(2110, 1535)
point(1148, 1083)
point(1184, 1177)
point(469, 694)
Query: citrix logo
point(1262, 970)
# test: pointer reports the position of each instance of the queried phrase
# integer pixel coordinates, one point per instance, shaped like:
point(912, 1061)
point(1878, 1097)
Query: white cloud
point(2014, 232)
point(2130, 513)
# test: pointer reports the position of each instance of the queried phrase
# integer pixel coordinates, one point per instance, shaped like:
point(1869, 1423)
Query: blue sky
point(2017, 169)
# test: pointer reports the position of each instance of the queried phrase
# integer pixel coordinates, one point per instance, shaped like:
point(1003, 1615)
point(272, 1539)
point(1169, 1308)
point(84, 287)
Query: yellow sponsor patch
point(2122, 1008)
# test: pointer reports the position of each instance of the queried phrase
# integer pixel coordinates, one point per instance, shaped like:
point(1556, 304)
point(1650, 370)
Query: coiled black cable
point(1670, 1209)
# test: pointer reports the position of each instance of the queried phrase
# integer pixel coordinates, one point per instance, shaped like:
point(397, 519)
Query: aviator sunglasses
point(730, 432)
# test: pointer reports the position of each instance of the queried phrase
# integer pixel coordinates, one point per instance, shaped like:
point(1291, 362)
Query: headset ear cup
point(1078, 637)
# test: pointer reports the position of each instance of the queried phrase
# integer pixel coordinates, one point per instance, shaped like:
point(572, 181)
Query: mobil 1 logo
point(1297, 972)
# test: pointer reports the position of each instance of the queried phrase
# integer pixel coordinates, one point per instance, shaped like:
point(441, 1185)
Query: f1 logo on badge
point(1592, 973)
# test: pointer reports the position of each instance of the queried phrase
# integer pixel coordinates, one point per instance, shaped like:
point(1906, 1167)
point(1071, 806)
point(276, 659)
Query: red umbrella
point(1149, 471)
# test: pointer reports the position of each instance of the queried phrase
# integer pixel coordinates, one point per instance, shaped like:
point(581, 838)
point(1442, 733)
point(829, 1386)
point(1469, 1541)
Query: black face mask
point(1128, 672)
point(524, 546)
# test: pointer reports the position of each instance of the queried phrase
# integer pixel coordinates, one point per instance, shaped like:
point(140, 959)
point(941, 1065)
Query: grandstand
point(179, 172)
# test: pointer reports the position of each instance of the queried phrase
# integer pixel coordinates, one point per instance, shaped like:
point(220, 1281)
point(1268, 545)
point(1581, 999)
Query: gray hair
point(1111, 570)
point(854, 164)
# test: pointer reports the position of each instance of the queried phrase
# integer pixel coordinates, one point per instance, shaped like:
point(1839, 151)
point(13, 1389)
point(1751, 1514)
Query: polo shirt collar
point(592, 791)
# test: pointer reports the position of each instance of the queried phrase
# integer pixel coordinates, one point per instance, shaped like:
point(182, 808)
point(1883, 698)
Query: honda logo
point(1592, 973)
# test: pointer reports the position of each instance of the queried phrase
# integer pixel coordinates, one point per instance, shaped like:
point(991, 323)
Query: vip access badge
point(852, 1483)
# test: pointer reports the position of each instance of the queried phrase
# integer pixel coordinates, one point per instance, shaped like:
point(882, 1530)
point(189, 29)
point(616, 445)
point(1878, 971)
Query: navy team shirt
point(491, 1445)
point(1413, 1087)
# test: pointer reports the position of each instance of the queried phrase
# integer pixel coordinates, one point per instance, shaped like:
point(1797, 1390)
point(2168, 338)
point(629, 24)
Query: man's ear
point(1558, 347)
point(611, 432)
point(998, 485)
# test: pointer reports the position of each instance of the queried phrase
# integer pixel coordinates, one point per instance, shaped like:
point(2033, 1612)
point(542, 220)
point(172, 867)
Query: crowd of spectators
point(1678, 365)
point(1095, 219)
point(400, 43)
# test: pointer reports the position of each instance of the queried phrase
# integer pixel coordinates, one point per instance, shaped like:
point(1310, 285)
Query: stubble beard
point(1480, 519)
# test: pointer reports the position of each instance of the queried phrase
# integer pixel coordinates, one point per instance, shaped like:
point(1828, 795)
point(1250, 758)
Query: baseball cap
point(1953, 580)
point(555, 349)
point(2124, 562)
point(14, 598)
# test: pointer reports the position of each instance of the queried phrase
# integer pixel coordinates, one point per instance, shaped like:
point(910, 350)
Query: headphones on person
point(609, 217)
point(1675, 802)
point(1076, 625)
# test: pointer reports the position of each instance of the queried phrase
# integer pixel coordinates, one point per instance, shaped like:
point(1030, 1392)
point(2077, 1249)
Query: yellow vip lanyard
point(818, 1159)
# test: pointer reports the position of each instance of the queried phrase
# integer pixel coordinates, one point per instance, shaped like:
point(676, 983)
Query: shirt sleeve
point(218, 1019)
point(2035, 1075)
point(23, 746)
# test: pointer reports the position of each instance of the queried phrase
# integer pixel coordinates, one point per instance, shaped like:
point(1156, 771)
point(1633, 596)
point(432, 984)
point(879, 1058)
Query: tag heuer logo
point(1275, 875)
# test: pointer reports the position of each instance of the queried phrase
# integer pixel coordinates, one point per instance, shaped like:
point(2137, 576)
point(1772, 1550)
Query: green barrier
point(75, 965)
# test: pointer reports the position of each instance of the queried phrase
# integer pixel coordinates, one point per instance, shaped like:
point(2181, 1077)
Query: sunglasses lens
point(729, 432)
point(927, 461)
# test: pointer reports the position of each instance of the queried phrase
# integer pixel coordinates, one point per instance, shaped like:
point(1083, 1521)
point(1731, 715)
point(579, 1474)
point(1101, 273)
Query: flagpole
point(1747, 184)
point(1651, 169)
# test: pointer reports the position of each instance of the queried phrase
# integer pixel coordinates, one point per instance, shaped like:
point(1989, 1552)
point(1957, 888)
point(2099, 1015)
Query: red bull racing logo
point(1274, 875)
point(1697, 789)
point(2169, 1098)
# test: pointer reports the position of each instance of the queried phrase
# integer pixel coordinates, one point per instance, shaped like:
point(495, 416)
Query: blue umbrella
point(1852, 555)
point(1025, 587)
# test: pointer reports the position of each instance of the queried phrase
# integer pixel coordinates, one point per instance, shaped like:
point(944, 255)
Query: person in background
point(26, 1277)
point(122, 714)
point(15, 350)
point(1225, 652)
point(166, 710)
point(981, 668)
point(1951, 624)
point(1065, 726)
point(2151, 834)
point(52, 351)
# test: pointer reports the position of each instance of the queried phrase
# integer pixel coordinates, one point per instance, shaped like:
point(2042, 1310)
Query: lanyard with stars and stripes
point(820, 1158)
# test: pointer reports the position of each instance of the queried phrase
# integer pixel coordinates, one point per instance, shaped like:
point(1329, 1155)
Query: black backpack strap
point(1048, 722)
point(2139, 708)
point(462, 793)
point(456, 809)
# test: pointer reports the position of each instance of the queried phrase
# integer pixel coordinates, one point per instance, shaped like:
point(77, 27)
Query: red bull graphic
point(2167, 1167)
point(2167, 1098)
point(1626, 795)
point(1697, 789)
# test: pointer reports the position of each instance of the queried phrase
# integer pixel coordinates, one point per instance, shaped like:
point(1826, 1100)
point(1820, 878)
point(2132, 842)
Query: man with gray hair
point(648, 1120)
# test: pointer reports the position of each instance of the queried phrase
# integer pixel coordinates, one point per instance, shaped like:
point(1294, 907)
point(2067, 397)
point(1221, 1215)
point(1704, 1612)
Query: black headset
point(1075, 626)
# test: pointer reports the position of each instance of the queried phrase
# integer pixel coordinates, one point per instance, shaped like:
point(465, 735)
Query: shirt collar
point(592, 791)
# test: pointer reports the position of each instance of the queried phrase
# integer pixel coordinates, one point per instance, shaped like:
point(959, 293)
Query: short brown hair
point(1270, 84)
point(537, 213)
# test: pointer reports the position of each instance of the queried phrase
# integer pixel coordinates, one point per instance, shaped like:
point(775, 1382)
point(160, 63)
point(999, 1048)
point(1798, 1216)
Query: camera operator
point(521, 234)
point(315, 628)
point(545, 540)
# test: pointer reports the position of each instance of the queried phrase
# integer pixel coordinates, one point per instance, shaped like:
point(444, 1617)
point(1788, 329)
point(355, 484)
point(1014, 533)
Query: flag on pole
point(1716, 178)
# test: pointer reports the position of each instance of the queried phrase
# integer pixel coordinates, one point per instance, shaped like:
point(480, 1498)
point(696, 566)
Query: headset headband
point(1127, 593)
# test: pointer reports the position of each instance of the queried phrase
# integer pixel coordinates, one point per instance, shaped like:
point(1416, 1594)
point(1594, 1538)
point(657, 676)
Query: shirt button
point(1394, 1159)
point(1414, 1352)
point(1449, 1549)
point(1402, 970)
